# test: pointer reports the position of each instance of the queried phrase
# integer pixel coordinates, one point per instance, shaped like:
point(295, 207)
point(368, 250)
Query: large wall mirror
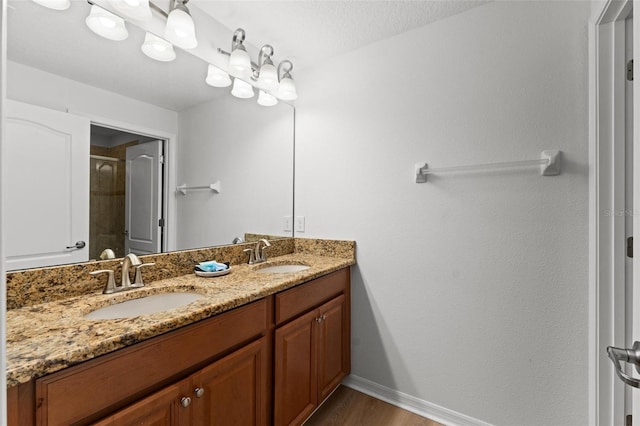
point(166, 161)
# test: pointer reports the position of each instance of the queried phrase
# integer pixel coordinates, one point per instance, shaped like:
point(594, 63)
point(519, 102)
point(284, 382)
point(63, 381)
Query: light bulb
point(106, 24)
point(217, 78)
point(241, 89)
point(138, 10)
point(268, 78)
point(239, 62)
point(180, 29)
point(266, 99)
point(287, 90)
point(158, 48)
point(54, 4)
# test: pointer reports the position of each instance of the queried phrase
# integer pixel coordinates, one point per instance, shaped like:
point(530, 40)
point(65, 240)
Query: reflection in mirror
point(111, 91)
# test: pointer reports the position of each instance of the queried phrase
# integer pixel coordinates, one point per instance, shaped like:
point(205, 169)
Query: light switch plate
point(299, 223)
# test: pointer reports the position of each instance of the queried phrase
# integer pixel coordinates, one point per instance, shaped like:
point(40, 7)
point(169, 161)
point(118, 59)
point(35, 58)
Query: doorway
point(613, 182)
point(629, 206)
point(126, 202)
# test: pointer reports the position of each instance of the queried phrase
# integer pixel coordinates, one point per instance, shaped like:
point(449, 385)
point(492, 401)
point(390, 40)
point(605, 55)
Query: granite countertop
point(48, 337)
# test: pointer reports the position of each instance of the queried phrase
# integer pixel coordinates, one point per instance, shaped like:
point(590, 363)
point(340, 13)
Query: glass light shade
point(135, 9)
point(287, 90)
point(239, 62)
point(266, 99)
point(180, 29)
point(54, 4)
point(241, 89)
point(106, 24)
point(217, 78)
point(268, 78)
point(158, 48)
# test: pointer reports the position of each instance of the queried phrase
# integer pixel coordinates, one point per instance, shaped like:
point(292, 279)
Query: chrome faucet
point(129, 261)
point(257, 254)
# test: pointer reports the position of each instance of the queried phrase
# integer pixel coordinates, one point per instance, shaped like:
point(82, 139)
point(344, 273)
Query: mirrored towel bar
point(549, 163)
point(215, 187)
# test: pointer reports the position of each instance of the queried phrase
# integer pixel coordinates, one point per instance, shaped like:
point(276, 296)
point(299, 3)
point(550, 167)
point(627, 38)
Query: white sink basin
point(144, 306)
point(283, 269)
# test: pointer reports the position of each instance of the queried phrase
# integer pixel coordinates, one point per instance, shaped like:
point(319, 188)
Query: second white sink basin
point(283, 269)
point(144, 306)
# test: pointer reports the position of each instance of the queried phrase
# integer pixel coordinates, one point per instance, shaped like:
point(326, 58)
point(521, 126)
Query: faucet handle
point(137, 282)
point(252, 255)
point(110, 287)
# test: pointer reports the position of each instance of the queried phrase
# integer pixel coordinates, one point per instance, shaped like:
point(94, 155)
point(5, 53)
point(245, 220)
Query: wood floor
point(347, 407)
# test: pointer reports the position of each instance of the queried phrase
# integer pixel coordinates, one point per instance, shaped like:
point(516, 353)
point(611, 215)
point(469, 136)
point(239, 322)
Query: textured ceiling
point(306, 32)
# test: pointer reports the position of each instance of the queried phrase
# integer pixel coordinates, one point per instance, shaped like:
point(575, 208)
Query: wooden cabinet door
point(333, 344)
point(233, 390)
point(295, 375)
point(163, 408)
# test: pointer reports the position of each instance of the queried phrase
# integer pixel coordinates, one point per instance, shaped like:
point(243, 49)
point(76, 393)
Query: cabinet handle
point(199, 392)
point(185, 401)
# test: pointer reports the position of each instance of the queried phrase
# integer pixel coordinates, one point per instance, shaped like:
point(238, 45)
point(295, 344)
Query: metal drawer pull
point(185, 401)
point(199, 392)
point(632, 356)
point(78, 245)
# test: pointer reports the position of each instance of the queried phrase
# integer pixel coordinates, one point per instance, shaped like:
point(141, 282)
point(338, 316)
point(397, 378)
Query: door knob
point(631, 356)
point(78, 245)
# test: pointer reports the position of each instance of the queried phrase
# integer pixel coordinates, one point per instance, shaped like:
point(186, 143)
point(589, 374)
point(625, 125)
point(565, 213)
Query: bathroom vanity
point(259, 348)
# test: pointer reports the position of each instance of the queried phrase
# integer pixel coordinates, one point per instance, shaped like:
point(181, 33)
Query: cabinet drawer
point(298, 300)
point(95, 388)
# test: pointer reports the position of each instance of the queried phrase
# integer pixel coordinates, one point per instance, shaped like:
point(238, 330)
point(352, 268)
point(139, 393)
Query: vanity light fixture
point(138, 10)
point(273, 83)
point(266, 99)
point(217, 78)
point(241, 89)
point(180, 29)
point(287, 90)
point(239, 62)
point(54, 4)
point(158, 48)
point(267, 74)
point(106, 24)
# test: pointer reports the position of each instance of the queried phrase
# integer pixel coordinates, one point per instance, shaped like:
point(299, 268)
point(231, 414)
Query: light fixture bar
point(158, 9)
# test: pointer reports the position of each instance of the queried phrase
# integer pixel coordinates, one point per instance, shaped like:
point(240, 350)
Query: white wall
point(249, 149)
point(470, 290)
point(31, 85)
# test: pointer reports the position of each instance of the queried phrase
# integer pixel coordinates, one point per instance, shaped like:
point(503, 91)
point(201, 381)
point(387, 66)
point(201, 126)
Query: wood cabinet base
point(270, 362)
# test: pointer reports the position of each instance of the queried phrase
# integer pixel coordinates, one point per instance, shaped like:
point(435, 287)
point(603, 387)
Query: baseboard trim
point(411, 403)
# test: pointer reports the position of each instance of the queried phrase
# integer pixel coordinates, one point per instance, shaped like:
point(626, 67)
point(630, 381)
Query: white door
point(143, 198)
point(46, 187)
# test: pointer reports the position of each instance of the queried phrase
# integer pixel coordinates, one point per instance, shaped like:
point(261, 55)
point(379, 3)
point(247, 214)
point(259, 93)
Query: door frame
point(170, 162)
point(606, 32)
